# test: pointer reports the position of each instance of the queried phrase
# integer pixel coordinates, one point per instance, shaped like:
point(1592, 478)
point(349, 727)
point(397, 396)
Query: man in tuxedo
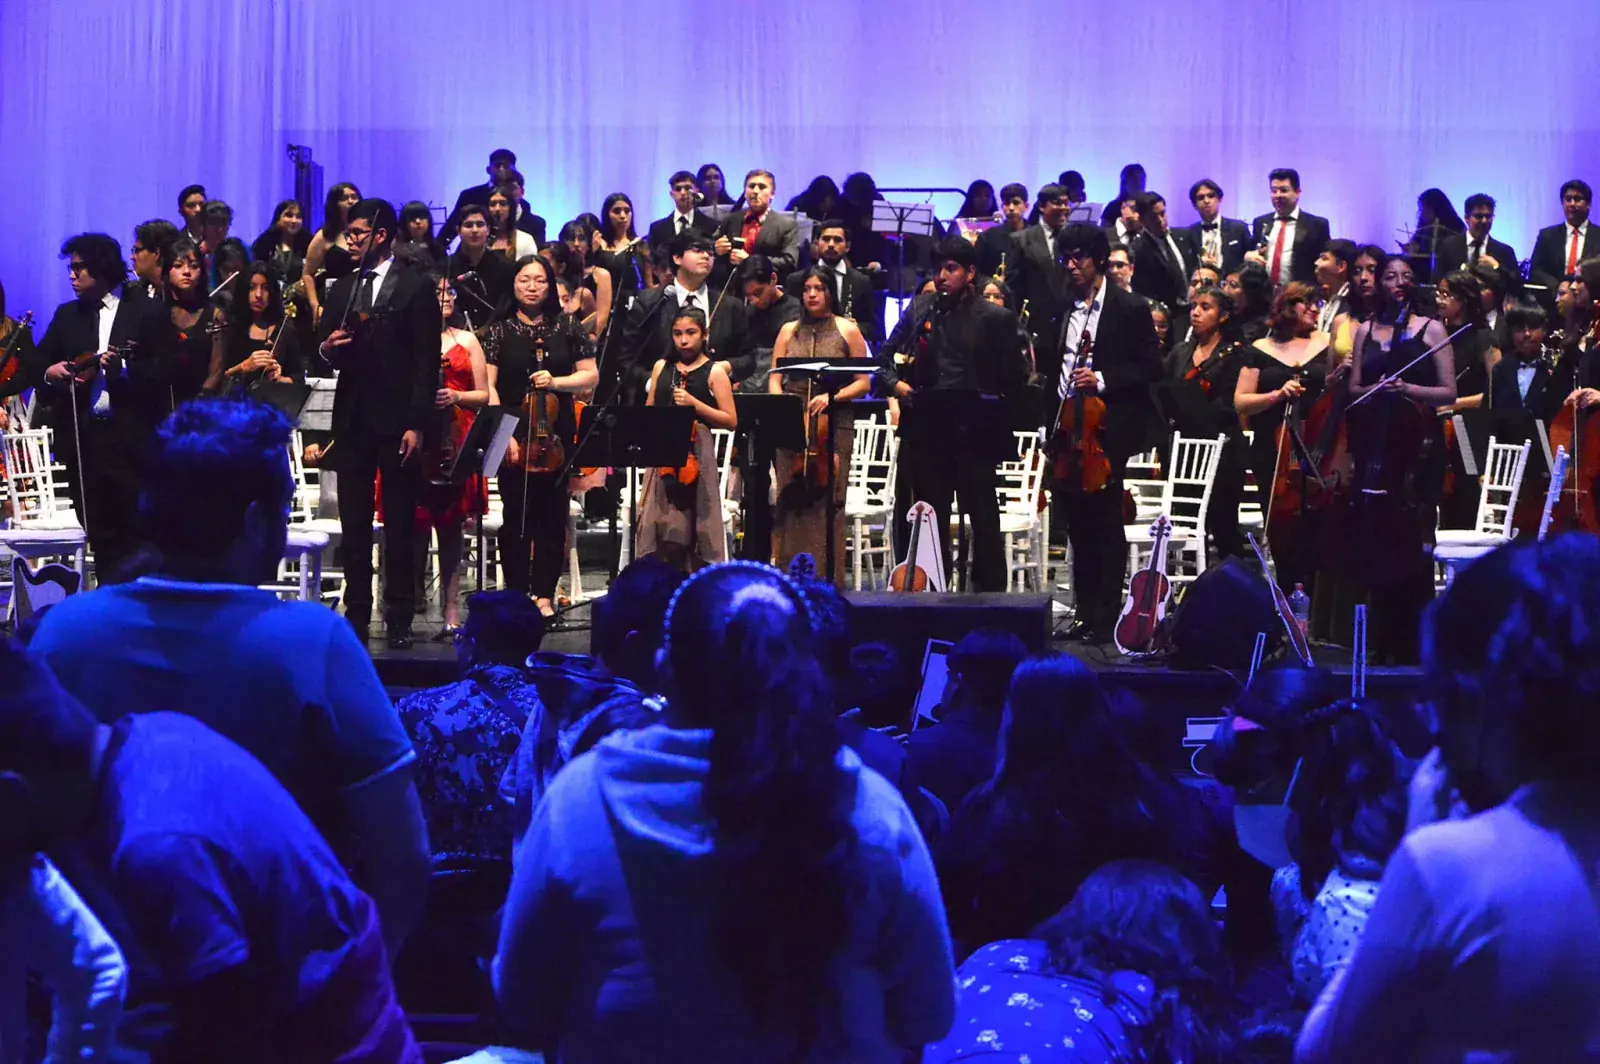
point(150, 243)
point(953, 340)
point(105, 415)
point(1289, 239)
point(1218, 240)
point(1126, 225)
point(684, 216)
point(191, 202)
point(1162, 255)
point(647, 334)
point(1476, 247)
point(502, 166)
point(1035, 274)
point(995, 242)
point(758, 228)
point(1522, 380)
point(1560, 248)
point(387, 355)
point(1126, 357)
point(852, 289)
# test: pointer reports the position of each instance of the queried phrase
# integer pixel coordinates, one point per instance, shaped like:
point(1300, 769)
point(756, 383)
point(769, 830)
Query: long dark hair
point(1444, 212)
point(739, 649)
point(413, 210)
point(239, 320)
point(826, 276)
point(181, 247)
point(969, 208)
point(333, 218)
point(267, 243)
point(1143, 917)
point(605, 216)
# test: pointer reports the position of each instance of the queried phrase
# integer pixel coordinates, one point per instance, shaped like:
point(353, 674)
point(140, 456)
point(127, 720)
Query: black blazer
point(662, 230)
point(1034, 275)
point(1452, 256)
point(1549, 262)
point(387, 377)
point(1544, 398)
point(778, 240)
point(1235, 241)
point(491, 285)
point(993, 245)
point(855, 301)
point(1311, 236)
point(1128, 355)
point(1155, 275)
point(527, 221)
point(647, 336)
point(140, 396)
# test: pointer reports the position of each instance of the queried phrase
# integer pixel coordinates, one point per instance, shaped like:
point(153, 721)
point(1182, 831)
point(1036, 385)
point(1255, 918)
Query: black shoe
point(401, 640)
point(1080, 632)
point(362, 628)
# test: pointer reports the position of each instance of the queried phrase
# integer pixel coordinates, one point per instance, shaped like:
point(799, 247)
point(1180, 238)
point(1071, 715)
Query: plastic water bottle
point(1300, 606)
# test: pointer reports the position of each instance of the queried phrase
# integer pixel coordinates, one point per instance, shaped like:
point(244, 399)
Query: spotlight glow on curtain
point(109, 107)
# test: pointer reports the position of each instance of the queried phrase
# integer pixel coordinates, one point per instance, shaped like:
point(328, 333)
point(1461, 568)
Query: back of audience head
point(1511, 661)
point(629, 620)
point(878, 685)
point(502, 628)
point(830, 629)
point(980, 668)
point(740, 660)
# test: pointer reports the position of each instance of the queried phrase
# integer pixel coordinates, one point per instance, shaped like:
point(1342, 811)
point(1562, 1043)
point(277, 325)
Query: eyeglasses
point(139, 249)
point(357, 234)
point(1075, 255)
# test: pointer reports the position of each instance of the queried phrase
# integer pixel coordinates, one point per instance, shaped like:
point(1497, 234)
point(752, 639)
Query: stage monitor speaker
point(908, 621)
point(1216, 624)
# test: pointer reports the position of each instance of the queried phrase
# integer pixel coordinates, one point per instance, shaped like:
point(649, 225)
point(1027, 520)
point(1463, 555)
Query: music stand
point(766, 423)
point(288, 396)
point(901, 220)
point(961, 422)
point(633, 437)
point(486, 439)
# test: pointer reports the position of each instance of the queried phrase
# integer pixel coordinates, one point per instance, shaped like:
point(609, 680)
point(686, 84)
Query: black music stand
point(472, 458)
point(903, 220)
point(633, 437)
point(766, 423)
point(960, 423)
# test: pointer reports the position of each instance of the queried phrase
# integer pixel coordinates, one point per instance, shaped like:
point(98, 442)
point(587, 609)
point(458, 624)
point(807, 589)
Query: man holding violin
point(380, 330)
point(105, 362)
point(1123, 364)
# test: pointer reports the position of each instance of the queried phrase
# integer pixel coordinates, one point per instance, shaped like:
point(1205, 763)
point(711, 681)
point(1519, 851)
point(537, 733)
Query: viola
point(9, 363)
point(687, 474)
point(543, 451)
point(908, 576)
point(810, 466)
point(1080, 460)
point(1578, 433)
point(1148, 593)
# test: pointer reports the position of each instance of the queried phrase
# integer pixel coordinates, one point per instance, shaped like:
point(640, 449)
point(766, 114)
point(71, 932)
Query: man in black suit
point(758, 228)
point(521, 215)
point(684, 216)
point(1034, 273)
point(647, 334)
point(1522, 380)
point(1289, 239)
point(112, 409)
point(191, 204)
point(769, 307)
point(852, 289)
point(995, 242)
point(1126, 357)
point(1162, 255)
point(953, 340)
point(502, 169)
point(1559, 248)
point(387, 355)
point(1476, 247)
point(1218, 240)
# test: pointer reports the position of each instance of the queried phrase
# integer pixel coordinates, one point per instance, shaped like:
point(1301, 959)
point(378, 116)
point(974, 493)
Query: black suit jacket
point(140, 395)
point(1452, 256)
point(855, 301)
point(1156, 275)
point(527, 221)
point(1544, 396)
point(778, 240)
point(1549, 262)
point(1311, 236)
point(387, 377)
point(647, 336)
point(662, 230)
point(1127, 353)
point(1235, 241)
point(490, 287)
point(1034, 275)
point(993, 246)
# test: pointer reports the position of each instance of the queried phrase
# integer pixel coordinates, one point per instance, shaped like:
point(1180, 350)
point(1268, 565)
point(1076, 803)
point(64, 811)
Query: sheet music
point(1468, 460)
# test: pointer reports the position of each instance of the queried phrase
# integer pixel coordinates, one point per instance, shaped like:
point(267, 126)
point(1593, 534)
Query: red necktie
point(1572, 253)
point(1277, 249)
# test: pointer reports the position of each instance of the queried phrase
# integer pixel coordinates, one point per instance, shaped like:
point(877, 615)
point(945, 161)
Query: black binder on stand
point(633, 437)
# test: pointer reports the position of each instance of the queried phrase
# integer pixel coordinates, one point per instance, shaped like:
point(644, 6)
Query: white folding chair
point(1185, 499)
point(1022, 526)
point(722, 439)
point(1504, 466)
point(1144, 481)
point(43, 523)
point(869, 499)
point(1251, 519)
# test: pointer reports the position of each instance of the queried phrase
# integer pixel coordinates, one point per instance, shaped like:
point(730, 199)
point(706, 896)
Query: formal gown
point(193, 362)
point(440, 505)
point(683, 522)
point(801, 520)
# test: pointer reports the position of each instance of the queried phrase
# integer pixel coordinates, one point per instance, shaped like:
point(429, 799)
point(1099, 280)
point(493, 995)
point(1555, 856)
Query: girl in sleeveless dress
point(680, 516)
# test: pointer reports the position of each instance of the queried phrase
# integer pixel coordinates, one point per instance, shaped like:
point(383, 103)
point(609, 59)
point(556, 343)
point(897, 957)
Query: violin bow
point(1397, 374)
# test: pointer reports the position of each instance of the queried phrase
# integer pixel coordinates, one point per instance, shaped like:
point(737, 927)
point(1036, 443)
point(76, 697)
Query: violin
point(908, 576)
point(543, 450)
point(84, 367)
point(1148, 593)
point(687, 474)
point(1080, 459)
point(441, 448)
point(9, 362)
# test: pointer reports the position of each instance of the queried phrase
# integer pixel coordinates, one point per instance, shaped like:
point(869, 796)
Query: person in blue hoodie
point(731, 884)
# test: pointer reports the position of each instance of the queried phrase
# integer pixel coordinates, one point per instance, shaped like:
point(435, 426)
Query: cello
point(1148, 593)
point(1080, 461)
point(1577, 432)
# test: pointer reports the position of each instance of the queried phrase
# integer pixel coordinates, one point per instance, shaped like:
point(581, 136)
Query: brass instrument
point(1000, 274)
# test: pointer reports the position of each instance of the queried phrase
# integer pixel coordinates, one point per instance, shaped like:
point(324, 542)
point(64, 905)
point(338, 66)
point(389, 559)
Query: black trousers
point(359, 460)
point(1099, 551)
point(536, 518)
point(1222, 520)
point(106, 496)
point(937, 478)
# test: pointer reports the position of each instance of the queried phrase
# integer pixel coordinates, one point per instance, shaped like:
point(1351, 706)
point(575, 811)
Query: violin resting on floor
point(1148, 594)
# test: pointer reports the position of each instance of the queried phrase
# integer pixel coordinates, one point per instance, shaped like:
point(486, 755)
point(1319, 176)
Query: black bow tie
point(367, 275)
point(1208, 227)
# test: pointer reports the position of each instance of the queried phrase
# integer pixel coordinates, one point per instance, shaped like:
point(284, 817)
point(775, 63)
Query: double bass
point(1080, 460)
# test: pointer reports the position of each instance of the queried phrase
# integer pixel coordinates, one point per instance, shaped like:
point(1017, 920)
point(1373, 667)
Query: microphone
point(699, 197)
point(470, 275)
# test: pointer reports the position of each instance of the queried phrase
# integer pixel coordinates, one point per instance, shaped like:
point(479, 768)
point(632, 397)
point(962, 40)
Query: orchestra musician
point(758, 228)
point(852, 289)
point(1221, 242)
point(195, 320)
point(23, 351)
point(685, 197)
point(258, 342)
point(150, 243)
point(1524, 380)
point(1476, 247)
point(380, 329)
point(327, 253)
point(1207, 364)
point(647, 333)
point(105, 407)
point(1162, 255)
point(1034, 273)
point(482, 278)
point(993, 243)
point(952, 340)
point(1560, 248)
point(1289, 239)
point(769, 308)
point(1126, 364)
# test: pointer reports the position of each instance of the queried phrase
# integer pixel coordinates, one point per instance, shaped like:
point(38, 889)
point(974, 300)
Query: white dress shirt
point(1183, 268)
point(99, 396)
point(1084, 320)
point(1286, 265)
point(682, 222)
point(700, 299)
point(1211, 239)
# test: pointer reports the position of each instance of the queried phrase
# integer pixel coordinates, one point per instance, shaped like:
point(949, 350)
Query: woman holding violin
point(1207, 365)
point(258, 342)
point(1284, 372)
point(1397, 462)
point(680, 510)
point(805, 477)
point(537, 358)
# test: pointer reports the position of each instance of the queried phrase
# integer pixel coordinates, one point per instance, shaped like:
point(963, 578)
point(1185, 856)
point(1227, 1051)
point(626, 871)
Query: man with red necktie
point(758, 229)
point(1290, 239)
point(1560, 248)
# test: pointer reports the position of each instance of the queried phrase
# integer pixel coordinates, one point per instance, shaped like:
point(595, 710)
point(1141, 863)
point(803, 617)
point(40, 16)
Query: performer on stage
point(993, 244)
point(284, 243)
point(680, 510)
point(482, 278)
point(195, 320)
point(250, 349)
point(150, 243)
point(505, 239)
point(647, 337)
point(23, 350)
point(1126, 362)
point(538, 348)
point(619, 251)
point(1525, 379)
point(757, 229)
point(1209, 363)
point(952, 340)
point(380, 329)
point(1035, 274)
point(1461, 303)
point(820, 335)
point(327, 251)
point(683, 216)
point(769, 308)
point(105, 409)
point(581, 267)
point(853, 296)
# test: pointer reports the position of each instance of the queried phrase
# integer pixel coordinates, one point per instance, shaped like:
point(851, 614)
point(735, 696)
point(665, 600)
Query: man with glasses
point(1034, 273)
point(1476, 247)
point(380, 330)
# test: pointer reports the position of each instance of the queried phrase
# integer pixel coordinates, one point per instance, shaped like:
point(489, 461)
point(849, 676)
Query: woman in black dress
point(284, 244)
point(1201, 374)
point(536, 347)
point(258, 343)
point(1250, 288)
point(194, 320)
point(416, 233)
point(327, 252)
point(573, 261)
point(619, 251)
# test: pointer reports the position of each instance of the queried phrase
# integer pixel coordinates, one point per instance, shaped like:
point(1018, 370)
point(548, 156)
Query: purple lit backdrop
point(108, 107)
